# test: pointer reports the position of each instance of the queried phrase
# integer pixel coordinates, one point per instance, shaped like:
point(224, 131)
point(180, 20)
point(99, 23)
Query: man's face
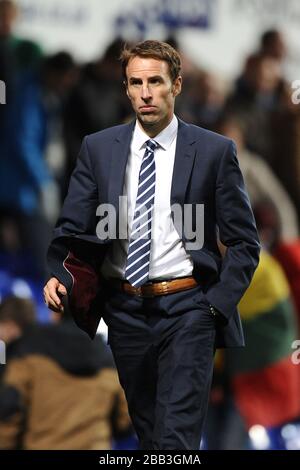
point(151, 92)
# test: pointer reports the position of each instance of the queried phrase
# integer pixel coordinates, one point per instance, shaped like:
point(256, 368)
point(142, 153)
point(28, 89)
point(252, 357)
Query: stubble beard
point(153, 126)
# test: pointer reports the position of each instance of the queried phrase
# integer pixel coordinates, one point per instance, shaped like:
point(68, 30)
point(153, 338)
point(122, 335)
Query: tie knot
point(151, 145)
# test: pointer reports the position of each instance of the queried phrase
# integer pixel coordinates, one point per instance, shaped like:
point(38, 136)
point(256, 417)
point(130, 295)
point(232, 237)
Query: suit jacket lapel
point(184, 160)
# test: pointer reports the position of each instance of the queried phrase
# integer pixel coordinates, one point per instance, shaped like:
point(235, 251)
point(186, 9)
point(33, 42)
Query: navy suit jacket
point(206, 171)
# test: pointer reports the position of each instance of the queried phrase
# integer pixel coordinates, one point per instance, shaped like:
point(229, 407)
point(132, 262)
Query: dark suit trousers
point(163, 349)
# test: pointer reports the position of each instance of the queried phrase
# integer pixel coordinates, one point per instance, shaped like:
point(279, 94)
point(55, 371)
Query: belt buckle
point(164, 287)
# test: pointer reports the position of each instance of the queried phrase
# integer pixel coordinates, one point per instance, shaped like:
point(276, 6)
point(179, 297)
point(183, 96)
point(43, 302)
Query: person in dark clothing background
point(42, 403)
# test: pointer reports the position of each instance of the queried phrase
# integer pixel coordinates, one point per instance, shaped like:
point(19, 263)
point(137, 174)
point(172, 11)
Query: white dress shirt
point(168, 258)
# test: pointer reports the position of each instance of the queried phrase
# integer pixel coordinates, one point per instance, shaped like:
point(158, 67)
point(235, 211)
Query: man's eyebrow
point(156, 77)
point(132, 79)
point(153, 77)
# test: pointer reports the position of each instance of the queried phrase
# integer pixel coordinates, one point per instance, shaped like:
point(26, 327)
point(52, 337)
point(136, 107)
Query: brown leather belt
point(156, 287)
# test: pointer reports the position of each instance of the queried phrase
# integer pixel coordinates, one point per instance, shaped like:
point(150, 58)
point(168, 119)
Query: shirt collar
point(164, 138)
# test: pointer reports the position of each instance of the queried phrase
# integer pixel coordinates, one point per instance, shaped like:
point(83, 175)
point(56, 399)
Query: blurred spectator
point(17, 318)
point(262, 184)
point(257, 93)
point(60, 76)
point(17, 315)
point(285, 145)
point(62, 392)
point(17, 55)
point(272, 44)
point(201, 102)
point(31, 164)
point(288, 255)
point(260, 385)
point(266, 382)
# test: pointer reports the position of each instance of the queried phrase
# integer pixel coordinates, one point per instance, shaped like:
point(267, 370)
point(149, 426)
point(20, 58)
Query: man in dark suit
point(156, 274)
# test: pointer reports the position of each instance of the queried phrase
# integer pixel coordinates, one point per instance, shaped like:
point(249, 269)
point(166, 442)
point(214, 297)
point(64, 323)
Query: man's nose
point(146, 94)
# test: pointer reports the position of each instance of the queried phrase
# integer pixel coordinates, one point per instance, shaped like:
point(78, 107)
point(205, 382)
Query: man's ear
point(176, 87)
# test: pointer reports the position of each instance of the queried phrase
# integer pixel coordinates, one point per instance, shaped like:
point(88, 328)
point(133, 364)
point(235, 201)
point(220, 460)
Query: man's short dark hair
point(155, 50)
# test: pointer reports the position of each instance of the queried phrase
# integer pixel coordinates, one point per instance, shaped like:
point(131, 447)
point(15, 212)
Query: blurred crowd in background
point(58, 389)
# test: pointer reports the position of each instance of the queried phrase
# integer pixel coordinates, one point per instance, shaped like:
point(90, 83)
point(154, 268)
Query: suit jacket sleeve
point(237, 231)
point(72, 256)
point(78, 214)
point(76, 225)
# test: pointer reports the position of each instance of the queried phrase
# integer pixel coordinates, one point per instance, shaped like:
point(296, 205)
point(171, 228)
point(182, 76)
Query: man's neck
point(154, 129)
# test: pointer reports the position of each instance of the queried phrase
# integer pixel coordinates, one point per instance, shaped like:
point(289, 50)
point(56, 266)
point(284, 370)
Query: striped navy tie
point(138, 256)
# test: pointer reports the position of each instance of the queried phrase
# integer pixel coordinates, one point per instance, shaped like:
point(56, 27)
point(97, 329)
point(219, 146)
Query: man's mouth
point(147, 108)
